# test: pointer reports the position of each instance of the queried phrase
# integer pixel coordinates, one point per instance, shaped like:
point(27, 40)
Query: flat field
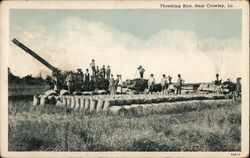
point(15, 90)
point(186, 126)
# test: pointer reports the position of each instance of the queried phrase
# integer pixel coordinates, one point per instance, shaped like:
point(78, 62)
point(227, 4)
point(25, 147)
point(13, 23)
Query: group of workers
point(89, 80)
point(115, 85)
point(104, 72)
point(165, 83)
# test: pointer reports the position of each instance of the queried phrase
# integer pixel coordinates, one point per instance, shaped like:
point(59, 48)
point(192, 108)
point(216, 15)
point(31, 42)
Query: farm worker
point(92, 65)
point(238, 87)
point(69, 81)
point(163, 83)
point(119, 84)
point(111, 85)
point(86, 79)
point(141, 71)
point(79, 77)
point(217, 81)
point(108, 71)
point(103, 71)
point(116, 81)
point(151, 82)
point(97, 70)
point(180, 82)
point(55, 82)
point(169, 79)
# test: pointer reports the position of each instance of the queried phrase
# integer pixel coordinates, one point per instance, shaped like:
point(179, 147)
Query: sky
point(195, 43)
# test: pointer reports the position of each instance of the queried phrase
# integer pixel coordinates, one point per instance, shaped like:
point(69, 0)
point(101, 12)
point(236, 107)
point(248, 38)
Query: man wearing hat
point(92, 65)
point(103, 71)
point(86, 79)
point(163, 84)
point(141, 71)
point(169, 79)
point(79, 78)
point(180, 82)
point(111, 85)
point(108, 71)
point(69, 81)
point(151, 82)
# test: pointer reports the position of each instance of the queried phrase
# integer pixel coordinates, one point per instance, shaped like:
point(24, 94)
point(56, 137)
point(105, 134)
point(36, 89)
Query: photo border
point(7, 5)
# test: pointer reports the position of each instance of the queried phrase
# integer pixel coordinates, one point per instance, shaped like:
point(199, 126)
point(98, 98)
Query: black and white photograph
point(125, 77)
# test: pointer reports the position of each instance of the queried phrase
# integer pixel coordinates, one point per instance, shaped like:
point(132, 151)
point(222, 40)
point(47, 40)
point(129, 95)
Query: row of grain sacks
point(99, 103)
point(73, 102)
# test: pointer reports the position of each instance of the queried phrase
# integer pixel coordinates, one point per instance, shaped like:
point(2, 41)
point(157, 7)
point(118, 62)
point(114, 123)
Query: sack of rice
point(155, 100)
point(73, 102)
point(148, 100)
point(77, 93)
point(68, 102)
point(36, 100)
point(93, 104)
point(50, 93)
point(108, 103)
point(64, 102)
point(44, 100)
point(87, 104)
point(117, 109)
point(82, 103)
point(59, 101)
point(135, 101)
point(101, 92)
point(87, 93)
point(141, 101)
point(137, 105)
point(64, 92)
point(51, 100)
point(129, 101)
point(100, 105)
point(119, 101)
point(77, 107)
point(127, 107)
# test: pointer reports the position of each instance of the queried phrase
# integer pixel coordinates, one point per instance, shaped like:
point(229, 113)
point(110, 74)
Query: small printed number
point(235, 154)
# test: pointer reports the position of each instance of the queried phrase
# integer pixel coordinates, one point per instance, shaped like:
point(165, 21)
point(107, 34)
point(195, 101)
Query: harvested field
point(177, 126)
point(25, 90)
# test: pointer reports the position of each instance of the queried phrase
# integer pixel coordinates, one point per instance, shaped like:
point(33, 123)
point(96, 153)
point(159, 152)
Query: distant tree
point(12, 78)
point(28, 79)
point(48, 80)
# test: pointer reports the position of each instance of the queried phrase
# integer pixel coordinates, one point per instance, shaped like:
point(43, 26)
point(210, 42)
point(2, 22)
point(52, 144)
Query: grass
point(25, 90)
point(183, 126)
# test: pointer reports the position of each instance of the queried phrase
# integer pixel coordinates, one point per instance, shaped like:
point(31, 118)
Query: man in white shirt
point(119, 84)
point(69, 82)
point(163, 84)
point(180, 82)
point(151, 82)
point(92, 65)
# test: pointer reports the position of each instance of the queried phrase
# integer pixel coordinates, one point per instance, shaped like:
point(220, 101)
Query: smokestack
point(217, 77)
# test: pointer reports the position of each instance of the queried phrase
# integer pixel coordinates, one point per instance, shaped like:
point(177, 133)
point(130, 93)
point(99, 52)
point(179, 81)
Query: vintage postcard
point(124, 79)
